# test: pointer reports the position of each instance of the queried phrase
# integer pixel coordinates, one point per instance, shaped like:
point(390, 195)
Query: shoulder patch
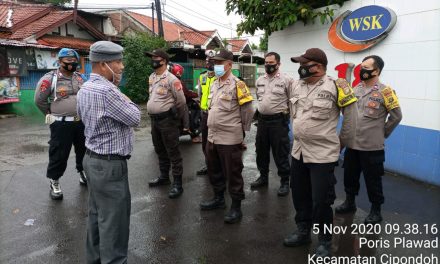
point(390, 98)
point(177, 85)
point(345, 93)
point(243, 93)
point(44, 85)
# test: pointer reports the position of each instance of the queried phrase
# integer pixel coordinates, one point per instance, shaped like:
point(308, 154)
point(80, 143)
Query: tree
point(137, 65)
point(272, 16)
point(263, 42)
point(254, 46)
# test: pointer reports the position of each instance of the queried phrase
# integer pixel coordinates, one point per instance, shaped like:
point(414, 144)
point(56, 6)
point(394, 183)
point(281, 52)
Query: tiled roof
point(16, 43)
point(65, 42)
point(20, 12)
point(237, 44)
point(170, 29)
point(45, 22)
point(196, 38)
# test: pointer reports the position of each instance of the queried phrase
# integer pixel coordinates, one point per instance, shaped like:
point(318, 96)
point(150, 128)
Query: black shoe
point(177, 189)
point(202, 171)
point(260, 182)
point(375, 216)
point(234, 215)
point(218, 202)
point(348, 206)
point(82, 178)
point(324, 249)
point(284, 189)
point(159, 181)
point(55, 190)
point(299, 238)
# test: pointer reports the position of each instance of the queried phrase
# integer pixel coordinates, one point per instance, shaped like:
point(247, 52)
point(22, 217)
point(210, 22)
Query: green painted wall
point(26, 106)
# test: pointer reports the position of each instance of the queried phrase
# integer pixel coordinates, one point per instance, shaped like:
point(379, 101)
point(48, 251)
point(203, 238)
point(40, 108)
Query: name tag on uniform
point(161, 91)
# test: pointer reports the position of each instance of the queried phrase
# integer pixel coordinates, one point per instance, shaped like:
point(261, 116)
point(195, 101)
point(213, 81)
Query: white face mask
point(116, 77)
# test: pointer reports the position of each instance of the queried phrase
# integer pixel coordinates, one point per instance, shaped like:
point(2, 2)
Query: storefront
point(411, 51)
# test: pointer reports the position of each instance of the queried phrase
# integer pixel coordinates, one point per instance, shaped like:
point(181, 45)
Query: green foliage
point(254, 46)
point(275, 15)
point(137, 65)
point(263, 42)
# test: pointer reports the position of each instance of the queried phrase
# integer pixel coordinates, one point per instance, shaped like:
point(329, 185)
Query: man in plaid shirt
point(109, 117)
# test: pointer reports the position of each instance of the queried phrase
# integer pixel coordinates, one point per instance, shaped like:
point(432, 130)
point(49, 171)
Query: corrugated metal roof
point(16, 43)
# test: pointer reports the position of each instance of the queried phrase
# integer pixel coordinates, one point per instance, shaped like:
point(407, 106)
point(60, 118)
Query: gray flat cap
point(105, 51)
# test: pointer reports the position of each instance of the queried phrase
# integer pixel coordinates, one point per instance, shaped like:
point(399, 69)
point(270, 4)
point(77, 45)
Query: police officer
point(315, 105)
point(55, 96)
point(378, 114)
point(166, 106)
point(204, 83)
point(273, 123)
point(230, 113)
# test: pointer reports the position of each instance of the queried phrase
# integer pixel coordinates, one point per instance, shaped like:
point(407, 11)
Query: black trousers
point(62, 135)
point(165, 133)
point(313, 193)
point(370, 163)
point(204, 128)
point(273, 134)
point(225, 164)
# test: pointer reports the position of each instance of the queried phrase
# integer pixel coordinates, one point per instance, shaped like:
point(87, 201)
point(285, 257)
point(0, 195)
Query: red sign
point(345, 70)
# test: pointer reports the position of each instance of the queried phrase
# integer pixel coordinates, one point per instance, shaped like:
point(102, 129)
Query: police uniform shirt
point(272, 93)
point(62, 98)
point(314, 115)
point(374, 105)
point(165, 92)
point(227, 119)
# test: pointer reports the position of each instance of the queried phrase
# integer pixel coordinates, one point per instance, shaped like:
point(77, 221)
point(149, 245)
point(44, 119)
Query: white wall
point(411, 53)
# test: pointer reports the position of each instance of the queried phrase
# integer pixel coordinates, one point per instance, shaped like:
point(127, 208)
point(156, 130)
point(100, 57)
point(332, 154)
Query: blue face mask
point(219, 70)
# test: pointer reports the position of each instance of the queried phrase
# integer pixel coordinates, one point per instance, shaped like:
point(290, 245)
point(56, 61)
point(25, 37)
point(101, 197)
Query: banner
point(4, 67)
point(17, 62)
point(9, 90)
point(46, 60)
point(30, 59)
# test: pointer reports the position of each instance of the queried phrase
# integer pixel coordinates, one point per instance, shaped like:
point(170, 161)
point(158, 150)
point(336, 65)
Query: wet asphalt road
point(175, 231)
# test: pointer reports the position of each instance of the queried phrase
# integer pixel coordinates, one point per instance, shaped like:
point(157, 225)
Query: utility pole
point(75, 11)
point(152, 15)
point(159, 18)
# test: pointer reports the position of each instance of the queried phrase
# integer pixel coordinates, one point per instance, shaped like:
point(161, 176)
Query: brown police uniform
point(227, 120)
point(378, 115)
point(273, 124)
point(55, 94)
point(315, 110)
point(166, 106)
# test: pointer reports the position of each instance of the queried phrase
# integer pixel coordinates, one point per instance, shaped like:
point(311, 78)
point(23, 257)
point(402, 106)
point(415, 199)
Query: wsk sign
point(361, 29)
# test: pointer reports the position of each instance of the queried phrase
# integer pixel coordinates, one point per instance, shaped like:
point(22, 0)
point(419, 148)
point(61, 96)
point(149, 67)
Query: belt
point(107, 156)
point(161, 115)
point(271, 117)
point(67, 118)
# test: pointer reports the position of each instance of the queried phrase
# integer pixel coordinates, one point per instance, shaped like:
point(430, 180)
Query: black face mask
point(70, 66)
point(366, 74)
point(156, 64)
point(304, 71)
point(270, 68)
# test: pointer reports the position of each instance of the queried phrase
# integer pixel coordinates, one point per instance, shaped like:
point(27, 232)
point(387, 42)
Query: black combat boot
point(260, 182)
point(375, 216)
point(234, 215)
point(348, 206)
point(300, 237)
point(161, 180)
point(177, 189)
point(202, 171)
point(218, 202)
point(284, 187)
point(324, 248)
